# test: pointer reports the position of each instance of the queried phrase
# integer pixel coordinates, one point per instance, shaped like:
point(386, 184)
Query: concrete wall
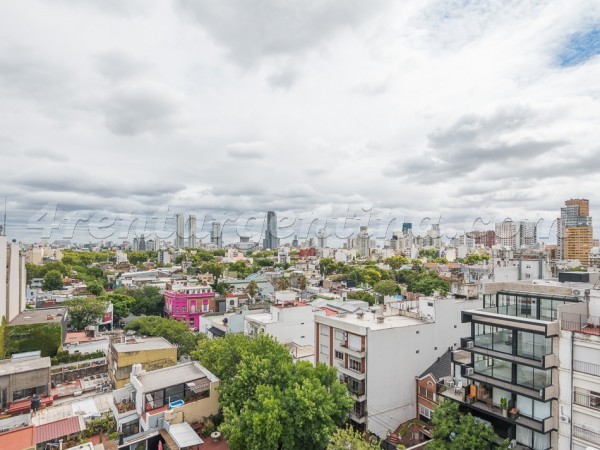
point(198, 410)
point(3, 279)
point(14, 285)
point(149, 359)
point(25, 380)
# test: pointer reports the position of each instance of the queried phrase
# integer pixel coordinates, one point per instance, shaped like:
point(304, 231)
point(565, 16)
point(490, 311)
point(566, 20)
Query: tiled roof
point(57, 429)
point(441, 368)
point(17, 439)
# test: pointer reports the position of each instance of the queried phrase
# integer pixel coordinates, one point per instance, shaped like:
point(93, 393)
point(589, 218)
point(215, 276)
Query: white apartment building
point(13, 289)
point(378, 354)
point(288, 321)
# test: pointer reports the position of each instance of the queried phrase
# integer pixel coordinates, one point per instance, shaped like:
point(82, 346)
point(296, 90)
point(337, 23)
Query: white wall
point(14, 285)
point(3, 279)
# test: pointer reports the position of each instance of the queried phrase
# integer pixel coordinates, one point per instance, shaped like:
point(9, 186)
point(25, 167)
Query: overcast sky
point(450, 109)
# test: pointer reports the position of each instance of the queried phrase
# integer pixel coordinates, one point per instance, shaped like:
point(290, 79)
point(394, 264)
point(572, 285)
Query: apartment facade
point(13, 292)
point(379, 354)
point(188, 303)
point(574, 231)
point(507, 370)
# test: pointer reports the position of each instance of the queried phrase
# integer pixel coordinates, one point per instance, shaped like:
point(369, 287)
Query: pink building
point(188, 303)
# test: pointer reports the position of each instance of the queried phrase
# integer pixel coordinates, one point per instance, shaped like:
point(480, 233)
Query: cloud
point(136, 109)
point(247, 150)
point(118, 65)
point(254, 30)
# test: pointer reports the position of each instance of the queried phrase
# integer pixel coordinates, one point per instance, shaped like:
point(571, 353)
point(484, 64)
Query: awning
point(198, 386)
point(184, 435)
point(58, 429)
point(216, 331)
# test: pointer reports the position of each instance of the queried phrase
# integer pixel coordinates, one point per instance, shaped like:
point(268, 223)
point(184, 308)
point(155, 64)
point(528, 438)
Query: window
point(324, 349)
point(355, 365)
point(339, 355)
point(338, 335)
point(324, 330)
point(425, 412)
point(205, 307)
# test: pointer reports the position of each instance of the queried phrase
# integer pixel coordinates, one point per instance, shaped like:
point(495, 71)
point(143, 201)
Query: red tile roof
point(17, 439)
point(57, 429)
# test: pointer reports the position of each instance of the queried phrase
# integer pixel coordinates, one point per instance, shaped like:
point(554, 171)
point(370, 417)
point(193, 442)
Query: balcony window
point(355, 365)
point(533, 408)
point(533, 378)
point(324, 330)
point(339, 355)
point(533, 346)
point(493, 338)
point(492, 367)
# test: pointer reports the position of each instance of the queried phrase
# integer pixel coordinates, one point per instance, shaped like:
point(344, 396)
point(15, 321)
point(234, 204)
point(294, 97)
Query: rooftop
point(169, 376)
point(152, 343)
point(42, 315)
point(8, 367)
point(371, 321)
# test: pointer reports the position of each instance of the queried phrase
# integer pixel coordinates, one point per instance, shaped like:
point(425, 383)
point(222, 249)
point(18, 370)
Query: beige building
point(12, 280)
point(152, 353)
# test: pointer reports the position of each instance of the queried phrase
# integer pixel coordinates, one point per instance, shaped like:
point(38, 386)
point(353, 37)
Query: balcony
point(485, 405)
point(357, 375)
point(586, 367)
point(546, 361)
point(587, 399)
point(353, 351)
point(545, 393)
point(580, 323)
point(587, 435)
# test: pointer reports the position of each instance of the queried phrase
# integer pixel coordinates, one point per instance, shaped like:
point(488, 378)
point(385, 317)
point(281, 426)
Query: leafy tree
point(427, 282)
point(241, 268)
point(122, 304)
point(95, 288)
point(282, 283)
point(302, 283)
point(395, 262)
point(386, 287)
point(252, 288)
point(327, 266)
point(429, 253)
point(351, 439)
point(85, 311)
point(364, 296)
point(268, 401)
point(177, 333)
point(148, 301)
point(137, 257)
point(453, 431)
point(214, 268)
point(221, 287)
point(52, 281)
point(371, 276)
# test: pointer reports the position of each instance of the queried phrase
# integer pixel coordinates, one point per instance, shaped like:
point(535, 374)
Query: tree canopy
point(351, 439)
point(122, 304)
point(268, 401)
point(362, 295)
point(85, 311)
point(386, 287)
point(177, 333)
point(52, 281)
point(455, 431)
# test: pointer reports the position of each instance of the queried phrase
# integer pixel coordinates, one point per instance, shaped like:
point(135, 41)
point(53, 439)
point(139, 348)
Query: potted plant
point(504, 406)
point(513, 413)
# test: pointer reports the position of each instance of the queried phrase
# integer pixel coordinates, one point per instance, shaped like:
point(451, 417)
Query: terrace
point(580, 323)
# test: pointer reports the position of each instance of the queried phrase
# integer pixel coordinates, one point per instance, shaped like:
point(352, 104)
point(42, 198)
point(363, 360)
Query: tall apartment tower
point(12, 280)
point(574, 234)
point(192, 232)
point(216, 234)
point(322, 238)
point(516, 234)
point(363, 242)
point(271, 241)
point(179, 234)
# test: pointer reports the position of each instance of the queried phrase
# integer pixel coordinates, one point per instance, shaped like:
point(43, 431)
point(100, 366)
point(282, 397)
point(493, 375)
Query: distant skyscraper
point(179, 233)
point(192, 232)
point(295, 241)
point(574, 232)
point(322, 238)
point(271, 240)
point(516, 235)
point(216, 234)
point(406, 227)
point(142, 244)
point(363, 242)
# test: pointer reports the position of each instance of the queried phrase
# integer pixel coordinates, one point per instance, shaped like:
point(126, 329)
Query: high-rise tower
point(271, 241)
point(574, 236)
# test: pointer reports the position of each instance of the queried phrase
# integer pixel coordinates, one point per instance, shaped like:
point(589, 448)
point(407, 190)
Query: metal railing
point(587, 399)
point(581, 323)
point(586, 367)
point(586, 435)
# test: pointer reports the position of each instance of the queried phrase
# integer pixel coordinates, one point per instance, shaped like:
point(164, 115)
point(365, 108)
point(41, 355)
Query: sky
point(116, 115)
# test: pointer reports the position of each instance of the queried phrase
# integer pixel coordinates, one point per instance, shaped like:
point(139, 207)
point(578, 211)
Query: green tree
point(429, 253)
point(282, 283)
point(327, 266)
point(395, 262)
point(85, 311)
point(177, 333)
point(252, 289)
point(122, 305)
point(364, 296)
point(268, 401)
point(95, 288)
point(52, 281)
point(137, 257)
point(371, 275)
point(386, 287)
point(351, 439)
point(454, 431)
point(148, 301)
point(302, 283)
point(214, 268)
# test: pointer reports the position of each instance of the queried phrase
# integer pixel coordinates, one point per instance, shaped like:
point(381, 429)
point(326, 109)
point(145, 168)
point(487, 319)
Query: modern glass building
point(507, 370)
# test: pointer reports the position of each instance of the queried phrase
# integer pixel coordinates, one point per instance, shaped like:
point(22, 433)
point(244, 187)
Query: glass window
point(339, 355)
point(354, 364)
point(339, 335)
point(324, 330)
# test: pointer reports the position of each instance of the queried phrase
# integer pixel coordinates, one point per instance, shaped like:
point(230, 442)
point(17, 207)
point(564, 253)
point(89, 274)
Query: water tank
point(136, 369)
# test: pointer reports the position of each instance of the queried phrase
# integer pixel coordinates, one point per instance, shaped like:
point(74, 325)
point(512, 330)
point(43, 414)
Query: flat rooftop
point(42, 315)
point(370, 320)
point(150, 343)
point(170, 376)
point(8, 367)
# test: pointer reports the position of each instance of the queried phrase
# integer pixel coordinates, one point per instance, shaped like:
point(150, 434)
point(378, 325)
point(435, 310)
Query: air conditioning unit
point(470, 344)
point(564, 419)
point(468, 371)
point(513, 443)
point(576, 292)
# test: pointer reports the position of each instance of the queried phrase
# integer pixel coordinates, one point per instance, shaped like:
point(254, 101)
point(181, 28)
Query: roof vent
point(380, 319)
point(360, 314)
